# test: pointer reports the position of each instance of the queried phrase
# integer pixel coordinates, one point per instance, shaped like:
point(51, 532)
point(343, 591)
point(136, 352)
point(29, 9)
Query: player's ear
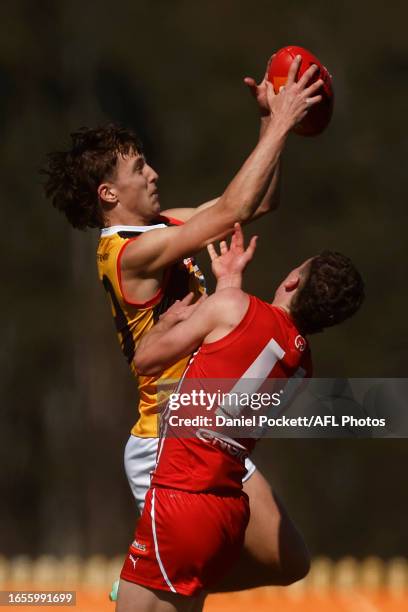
point(292, 282)
point(107, 194)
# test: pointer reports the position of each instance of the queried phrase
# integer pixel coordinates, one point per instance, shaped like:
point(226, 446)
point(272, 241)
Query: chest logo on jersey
point(223, 443)
point(300, 343)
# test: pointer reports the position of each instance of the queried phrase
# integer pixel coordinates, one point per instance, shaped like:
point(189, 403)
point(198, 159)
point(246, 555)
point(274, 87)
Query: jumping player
point(145, 264)
point(196, 513)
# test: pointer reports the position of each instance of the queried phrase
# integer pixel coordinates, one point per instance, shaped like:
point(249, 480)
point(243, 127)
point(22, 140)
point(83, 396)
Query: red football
point(318, 118)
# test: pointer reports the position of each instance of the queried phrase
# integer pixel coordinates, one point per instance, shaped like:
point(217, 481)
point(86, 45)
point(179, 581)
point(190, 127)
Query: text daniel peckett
point(282, 421)
point(208, 401)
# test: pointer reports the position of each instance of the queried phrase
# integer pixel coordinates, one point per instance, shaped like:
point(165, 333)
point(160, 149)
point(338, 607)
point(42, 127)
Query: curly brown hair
point(73, 176)
point(332, 291)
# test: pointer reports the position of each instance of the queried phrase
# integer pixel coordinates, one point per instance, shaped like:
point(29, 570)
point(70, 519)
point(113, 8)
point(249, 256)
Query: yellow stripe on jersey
point(132, 320)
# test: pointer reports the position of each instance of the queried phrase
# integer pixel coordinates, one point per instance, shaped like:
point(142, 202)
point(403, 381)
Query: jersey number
point(121, 323)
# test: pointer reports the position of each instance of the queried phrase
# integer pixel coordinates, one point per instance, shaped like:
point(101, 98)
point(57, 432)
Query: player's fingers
point(312, 101)
point(223, 247)
point(307, 75)
point(196, 304)
point(251, 84)
point(202, 298)
point(293, 70)
point(188, 299)
point(267, 66)
point(301, 117)
point(270, 92)
point(211, 251)
point(238, 236)
point(238, 239)
point(171, 308)
point(251, 248)
point(309, 91)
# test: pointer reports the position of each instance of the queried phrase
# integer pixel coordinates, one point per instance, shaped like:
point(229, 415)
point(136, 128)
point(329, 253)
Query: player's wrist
point(231, 280)
point(276, 131)
point(279, 126)
point(264, 121)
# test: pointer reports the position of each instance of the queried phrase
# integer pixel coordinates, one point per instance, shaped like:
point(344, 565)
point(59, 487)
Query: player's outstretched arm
point(180, 330)
point(271, 198)
point(169, 341)
point(229, 265)
point(157, 249)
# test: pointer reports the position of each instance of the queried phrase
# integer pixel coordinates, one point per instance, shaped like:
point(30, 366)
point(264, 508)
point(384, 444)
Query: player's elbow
point(267, 206)
point(269, 203)
point(250, 211)
point(274, 201)
point(246, 211)
point(145, 366)
point(232, 209)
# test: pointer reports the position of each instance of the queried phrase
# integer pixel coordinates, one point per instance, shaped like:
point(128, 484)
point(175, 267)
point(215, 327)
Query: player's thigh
point(136, 598)
point(272, 538)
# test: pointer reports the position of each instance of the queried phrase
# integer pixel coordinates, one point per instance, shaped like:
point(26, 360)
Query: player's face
point(135, 185)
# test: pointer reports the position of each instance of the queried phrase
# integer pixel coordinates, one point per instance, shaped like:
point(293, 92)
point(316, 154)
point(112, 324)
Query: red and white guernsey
point(265, 344)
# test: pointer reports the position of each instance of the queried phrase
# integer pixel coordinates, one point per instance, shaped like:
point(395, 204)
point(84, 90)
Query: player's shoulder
point(225, 303)
point(149, 243)
point(230, 302)
point(230, 295)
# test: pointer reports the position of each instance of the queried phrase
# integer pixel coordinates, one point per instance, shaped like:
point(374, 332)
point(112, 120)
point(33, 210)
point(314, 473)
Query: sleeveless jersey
point(133, 319)
point(265, 344)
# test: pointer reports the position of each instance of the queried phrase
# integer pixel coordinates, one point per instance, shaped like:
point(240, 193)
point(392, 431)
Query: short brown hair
point(73, 176)
point(332, 291)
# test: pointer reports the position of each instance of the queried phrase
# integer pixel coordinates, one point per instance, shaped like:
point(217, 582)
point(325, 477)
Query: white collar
point(115, 229)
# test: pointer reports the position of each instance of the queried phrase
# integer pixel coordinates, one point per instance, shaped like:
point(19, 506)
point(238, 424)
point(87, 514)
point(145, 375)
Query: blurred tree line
point(173, 71)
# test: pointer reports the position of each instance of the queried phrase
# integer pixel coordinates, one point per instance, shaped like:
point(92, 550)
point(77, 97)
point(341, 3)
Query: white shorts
point(140, 460)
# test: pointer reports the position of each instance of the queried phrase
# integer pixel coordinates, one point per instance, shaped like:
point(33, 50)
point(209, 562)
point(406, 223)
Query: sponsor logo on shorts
point(141, 547)
point(134, 561)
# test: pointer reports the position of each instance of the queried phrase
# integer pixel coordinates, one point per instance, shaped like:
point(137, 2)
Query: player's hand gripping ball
point(318, 117)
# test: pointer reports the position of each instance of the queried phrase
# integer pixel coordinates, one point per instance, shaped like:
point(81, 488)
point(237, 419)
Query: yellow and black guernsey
point(133, 319)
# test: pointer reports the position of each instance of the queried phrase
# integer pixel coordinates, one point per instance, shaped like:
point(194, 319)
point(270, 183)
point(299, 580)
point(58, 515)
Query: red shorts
point(185, 542)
